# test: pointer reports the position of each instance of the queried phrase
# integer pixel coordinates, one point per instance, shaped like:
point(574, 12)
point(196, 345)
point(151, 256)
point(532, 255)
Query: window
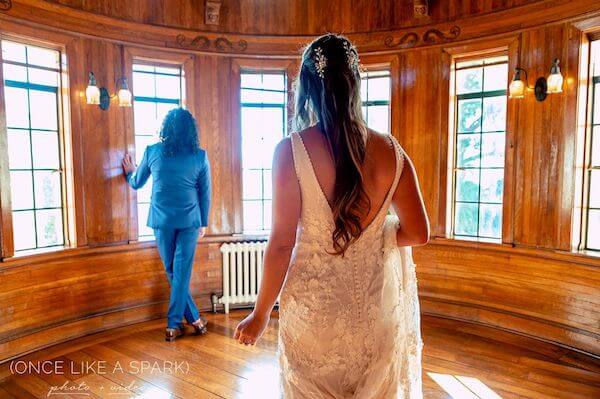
point(263, 124)
point(592, 240)
point(376, 94)
point(32, 88)
point(478, 147)
point(156, 89)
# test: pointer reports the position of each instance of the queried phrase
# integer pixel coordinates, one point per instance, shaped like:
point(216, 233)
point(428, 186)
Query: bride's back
point(378, 169)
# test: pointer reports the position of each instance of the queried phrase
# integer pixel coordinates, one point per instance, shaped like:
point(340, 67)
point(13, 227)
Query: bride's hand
point(251, 329)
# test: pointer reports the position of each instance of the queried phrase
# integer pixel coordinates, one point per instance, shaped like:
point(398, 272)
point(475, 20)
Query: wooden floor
point(460, 361)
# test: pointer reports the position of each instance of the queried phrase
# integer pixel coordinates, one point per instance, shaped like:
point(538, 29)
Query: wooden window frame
point(583, 168)
point(390, 62)
point(73, 231)
point(239, 65)
point(186, 62)
point(509, 46)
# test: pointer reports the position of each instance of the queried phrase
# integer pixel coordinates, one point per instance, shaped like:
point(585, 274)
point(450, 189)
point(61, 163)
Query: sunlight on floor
point(153, 393)
point(460, 387)
point(261, 382)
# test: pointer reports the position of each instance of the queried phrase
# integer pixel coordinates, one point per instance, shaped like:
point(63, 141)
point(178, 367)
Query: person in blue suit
point(179, 208)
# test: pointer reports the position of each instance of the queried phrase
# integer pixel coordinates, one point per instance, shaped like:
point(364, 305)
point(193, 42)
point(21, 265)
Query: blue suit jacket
point(180, 188)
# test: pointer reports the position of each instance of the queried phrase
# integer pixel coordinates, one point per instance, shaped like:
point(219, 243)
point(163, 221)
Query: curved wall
point(531, 284)
point(290, 17)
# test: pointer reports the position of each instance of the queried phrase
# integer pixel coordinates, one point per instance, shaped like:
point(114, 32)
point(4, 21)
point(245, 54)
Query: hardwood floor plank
point(458, 359)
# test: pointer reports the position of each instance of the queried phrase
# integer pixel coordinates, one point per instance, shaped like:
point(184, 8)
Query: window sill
point(476, 239)
point(39, 251)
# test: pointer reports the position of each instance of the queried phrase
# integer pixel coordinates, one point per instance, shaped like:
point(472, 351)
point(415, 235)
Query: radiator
point(242, 272)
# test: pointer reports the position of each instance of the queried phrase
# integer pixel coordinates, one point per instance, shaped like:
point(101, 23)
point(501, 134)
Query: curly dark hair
point(179, 133)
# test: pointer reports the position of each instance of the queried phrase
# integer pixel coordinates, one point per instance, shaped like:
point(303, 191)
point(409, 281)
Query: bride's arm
point(286, 212)
point(409, 206)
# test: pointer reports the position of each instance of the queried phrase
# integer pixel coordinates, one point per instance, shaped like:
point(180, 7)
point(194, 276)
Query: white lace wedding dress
point(348, 326)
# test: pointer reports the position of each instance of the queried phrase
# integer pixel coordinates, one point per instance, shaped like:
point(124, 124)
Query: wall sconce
point(543, 86)
point(101, 96)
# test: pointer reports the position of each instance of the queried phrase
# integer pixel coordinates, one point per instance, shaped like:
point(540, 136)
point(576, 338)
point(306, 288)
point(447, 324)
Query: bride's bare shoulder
point(380, 145)
point(310, 134)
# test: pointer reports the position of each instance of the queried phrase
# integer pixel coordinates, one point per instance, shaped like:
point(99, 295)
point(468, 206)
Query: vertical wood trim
point(565, 196)
point(72, 82)
point(292, 74)
point(446, 131)
point(447, 168)
point(78, 84)
point(129, 133)
point(583, 145)
point(236, 147)
point(6, 229)
point(512, 113)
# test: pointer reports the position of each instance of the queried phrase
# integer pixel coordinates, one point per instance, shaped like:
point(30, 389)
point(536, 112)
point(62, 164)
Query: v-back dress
point(348, 326)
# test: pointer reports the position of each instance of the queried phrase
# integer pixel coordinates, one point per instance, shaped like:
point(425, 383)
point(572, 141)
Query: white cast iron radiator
point(242, 272)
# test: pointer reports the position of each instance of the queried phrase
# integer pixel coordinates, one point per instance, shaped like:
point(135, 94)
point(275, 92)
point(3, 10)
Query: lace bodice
point(341, 318)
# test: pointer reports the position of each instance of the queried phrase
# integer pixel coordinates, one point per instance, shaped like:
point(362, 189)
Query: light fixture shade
point(124, 98)
point(516, 89)
point(555, 80)
point(92, 92)
point(92, 95)
point(555, 83)
point(124, 94)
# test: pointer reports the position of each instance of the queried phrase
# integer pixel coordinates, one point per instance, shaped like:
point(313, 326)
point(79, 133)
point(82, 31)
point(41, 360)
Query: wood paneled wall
point(290, 17)
point(546, 137)
point(530, 284)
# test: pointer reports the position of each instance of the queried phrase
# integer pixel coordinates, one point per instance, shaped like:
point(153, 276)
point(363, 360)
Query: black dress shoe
point(171, 334)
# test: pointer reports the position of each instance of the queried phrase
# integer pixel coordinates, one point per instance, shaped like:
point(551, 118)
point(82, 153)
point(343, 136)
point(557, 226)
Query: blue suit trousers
point(177, 248)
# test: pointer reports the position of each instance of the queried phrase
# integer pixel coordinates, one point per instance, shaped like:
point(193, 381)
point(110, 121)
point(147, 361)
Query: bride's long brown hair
point(328, 93)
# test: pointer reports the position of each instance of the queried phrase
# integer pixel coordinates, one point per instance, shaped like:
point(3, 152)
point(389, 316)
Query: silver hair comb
point(320, 62)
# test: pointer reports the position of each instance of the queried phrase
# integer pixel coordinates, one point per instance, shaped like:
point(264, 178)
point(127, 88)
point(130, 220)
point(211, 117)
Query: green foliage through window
point(32, 92)
point(479, 147)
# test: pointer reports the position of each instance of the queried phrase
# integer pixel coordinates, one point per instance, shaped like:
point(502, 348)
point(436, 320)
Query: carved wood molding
point(5, 5)
point(202, 42)
point(430, 36)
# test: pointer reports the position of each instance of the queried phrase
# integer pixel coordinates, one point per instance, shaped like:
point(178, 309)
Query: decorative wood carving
point(212, 12)
point(5, 5)
point(421, 8)
point(202, 42)
point(430, 36)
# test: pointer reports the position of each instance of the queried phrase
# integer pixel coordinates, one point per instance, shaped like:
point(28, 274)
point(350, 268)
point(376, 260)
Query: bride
point(348, 314)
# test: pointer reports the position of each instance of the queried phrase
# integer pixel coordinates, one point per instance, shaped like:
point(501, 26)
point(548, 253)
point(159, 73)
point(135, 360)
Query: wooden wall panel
point(546, 135)
point(289, 17)
point(104, 145)
point(54, 299)
point(214, 115)
point(551, 298)
point(423, 133)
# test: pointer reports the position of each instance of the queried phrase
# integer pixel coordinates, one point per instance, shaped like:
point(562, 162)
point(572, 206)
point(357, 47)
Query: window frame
point(285, 117)
point(366, 103)
point(290, 66)
point(586, 140)
point(136, 55)
point(63, 45)
point(508, 49)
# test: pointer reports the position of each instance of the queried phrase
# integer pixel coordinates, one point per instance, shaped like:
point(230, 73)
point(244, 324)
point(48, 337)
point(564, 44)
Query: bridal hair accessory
point(320, 62)
point(352, 56)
